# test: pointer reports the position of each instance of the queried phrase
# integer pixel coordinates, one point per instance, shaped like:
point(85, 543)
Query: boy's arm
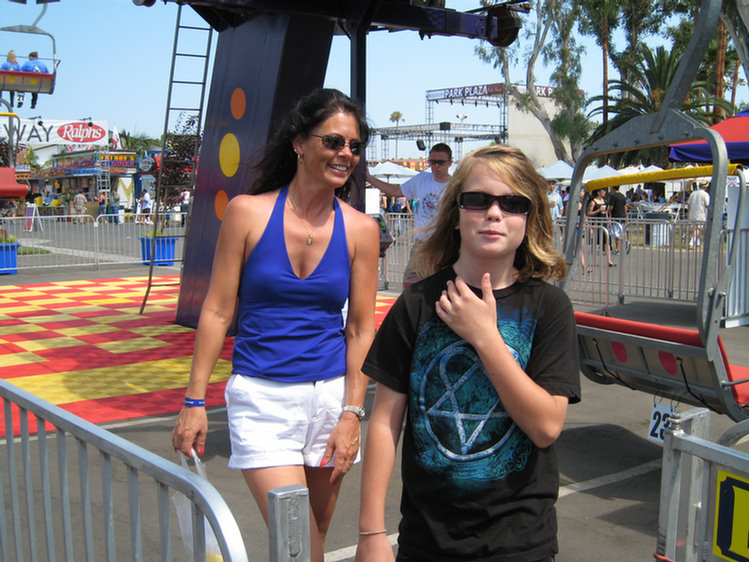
point(383, 434)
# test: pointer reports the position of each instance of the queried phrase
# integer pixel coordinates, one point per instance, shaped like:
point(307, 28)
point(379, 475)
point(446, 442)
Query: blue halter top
point(291, 329)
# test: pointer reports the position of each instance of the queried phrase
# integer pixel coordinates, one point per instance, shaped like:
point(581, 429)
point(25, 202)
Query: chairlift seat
point(9, 186)
point(669, 362)
point(17, 81)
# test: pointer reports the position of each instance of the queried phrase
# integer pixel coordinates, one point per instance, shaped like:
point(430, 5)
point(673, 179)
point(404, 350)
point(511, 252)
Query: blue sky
point(115, 59)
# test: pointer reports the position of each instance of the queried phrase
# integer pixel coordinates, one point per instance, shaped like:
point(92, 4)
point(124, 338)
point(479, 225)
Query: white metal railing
point(120, 507)
point(82, 240)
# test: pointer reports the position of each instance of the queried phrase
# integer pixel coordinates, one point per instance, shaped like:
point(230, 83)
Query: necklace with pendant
point(296, 212)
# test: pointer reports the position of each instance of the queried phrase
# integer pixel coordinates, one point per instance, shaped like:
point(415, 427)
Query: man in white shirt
point(698, 203)
point(426, 189)
point(555, 200)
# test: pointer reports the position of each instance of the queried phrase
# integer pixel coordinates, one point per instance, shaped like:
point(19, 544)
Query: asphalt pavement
point(610, 471)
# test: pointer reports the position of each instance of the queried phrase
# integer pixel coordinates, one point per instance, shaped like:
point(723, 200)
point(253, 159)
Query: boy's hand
point(470, 317)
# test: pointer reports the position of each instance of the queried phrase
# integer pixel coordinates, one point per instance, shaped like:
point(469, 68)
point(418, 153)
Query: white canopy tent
point(559, 170)
point(391, 172)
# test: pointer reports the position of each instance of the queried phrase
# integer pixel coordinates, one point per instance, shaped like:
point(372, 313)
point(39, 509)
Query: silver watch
point(358, 410)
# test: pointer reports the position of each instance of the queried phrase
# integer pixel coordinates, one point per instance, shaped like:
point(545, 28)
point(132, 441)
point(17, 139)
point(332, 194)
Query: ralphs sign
point(81, 132)
point(31, 132)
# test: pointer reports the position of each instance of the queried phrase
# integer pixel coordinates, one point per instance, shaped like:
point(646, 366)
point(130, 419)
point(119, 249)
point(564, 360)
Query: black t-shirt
point(475, 487)
point(618, 205)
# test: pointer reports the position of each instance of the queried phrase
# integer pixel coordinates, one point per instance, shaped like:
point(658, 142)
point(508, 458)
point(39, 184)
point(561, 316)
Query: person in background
point(289, 256)
point(145, 206)
point(114, 206)
point(102, 200)
point(481, 356)
point(79, 206)
point(617, 212)
point(11, 63)
point(698, 203)
point(426, 188)
point(598, 209)
point(33, 65)
point(555, 200)
point(184, 205)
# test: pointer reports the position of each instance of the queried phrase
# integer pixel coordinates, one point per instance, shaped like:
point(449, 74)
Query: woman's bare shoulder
point(250, 205)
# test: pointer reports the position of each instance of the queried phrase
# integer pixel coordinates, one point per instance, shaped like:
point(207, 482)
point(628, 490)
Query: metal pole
point(288, 524)
point(10, 115)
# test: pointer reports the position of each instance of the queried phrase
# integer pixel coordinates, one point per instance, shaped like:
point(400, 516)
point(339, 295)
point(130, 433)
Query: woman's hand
point(190, 430)
point(343, 445)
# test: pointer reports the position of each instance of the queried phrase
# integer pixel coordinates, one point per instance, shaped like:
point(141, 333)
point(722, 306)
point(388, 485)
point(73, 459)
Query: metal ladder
point(199, 38)
point(103, 176)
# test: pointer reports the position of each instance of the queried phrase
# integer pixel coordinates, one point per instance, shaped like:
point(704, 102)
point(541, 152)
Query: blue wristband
point(194, 402)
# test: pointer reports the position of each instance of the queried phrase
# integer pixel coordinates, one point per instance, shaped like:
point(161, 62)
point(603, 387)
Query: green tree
point(719, 67)
point(396, 117)
point(644, 92)
point(599, 18)
point(140, 143)
point(639, 18)
point(4, 150)
point(549, 36)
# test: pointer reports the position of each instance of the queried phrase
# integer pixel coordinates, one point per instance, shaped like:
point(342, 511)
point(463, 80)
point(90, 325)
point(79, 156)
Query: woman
point(481, 357)
point(291, 253)
point(11, 63)
point(597, 208)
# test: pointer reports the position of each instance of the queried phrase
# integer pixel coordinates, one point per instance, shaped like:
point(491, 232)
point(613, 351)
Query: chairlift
point(33, 82)
point(684, 366)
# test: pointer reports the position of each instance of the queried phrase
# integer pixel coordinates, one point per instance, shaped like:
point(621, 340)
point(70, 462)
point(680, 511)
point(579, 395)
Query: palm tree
point(396, 117)
point(599, 19)
point(139, 142)
point(643, 92)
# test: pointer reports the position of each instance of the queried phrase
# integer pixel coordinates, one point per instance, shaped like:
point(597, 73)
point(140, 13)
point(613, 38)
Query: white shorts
point(280, 424)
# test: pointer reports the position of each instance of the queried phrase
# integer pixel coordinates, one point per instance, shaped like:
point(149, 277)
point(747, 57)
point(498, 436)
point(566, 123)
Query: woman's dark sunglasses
point(480, 201)
point(336, 142)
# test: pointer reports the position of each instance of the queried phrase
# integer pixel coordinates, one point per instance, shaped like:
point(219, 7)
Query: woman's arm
point(383, 434)
point(539, 414)
point(216, 316)
point(360, 329)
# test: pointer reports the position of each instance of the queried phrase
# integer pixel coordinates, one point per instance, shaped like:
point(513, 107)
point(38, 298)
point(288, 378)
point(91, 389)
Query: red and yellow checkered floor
point(83, 346)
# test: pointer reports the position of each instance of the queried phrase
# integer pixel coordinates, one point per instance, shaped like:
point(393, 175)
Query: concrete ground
point(610, 472)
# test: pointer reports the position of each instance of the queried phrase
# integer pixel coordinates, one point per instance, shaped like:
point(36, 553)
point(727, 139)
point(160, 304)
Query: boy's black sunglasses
point(480, 201)
point(337, 142)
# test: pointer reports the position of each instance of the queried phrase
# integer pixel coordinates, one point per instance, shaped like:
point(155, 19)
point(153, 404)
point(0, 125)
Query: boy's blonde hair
point(536, 257)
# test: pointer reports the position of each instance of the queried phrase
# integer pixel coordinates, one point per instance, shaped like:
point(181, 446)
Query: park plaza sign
point(481, 91)
point(30, 132)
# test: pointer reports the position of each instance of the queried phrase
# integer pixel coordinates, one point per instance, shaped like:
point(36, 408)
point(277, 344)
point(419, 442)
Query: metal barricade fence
point(737, 304)
point(82, 240)
point(656, 259)
point(120, 508)
point(393, 265)
point(704, 486)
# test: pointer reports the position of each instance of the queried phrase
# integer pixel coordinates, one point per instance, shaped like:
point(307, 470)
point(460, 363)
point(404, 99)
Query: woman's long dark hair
point(278, 164)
